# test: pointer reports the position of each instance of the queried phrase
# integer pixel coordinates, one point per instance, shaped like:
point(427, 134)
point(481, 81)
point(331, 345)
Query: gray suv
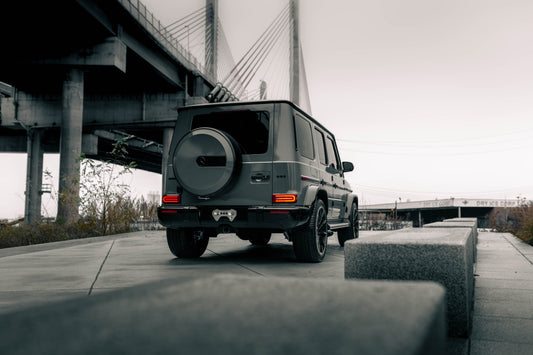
point(253, 169)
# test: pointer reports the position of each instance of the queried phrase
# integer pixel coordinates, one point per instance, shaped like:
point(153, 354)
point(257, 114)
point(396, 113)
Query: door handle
point(259, 177)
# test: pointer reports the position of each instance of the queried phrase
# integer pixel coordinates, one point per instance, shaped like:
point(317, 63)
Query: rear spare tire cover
point(205, 161)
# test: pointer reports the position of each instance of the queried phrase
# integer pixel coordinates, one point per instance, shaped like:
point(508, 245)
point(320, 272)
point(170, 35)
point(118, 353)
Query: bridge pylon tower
point(294, 72)
point(211, 37)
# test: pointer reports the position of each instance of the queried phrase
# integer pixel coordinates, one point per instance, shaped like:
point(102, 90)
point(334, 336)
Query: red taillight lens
point(172, 199)
point(284, 198)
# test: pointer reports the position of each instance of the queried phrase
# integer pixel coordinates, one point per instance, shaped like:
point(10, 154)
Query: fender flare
point(352, 198)
point(312, 193)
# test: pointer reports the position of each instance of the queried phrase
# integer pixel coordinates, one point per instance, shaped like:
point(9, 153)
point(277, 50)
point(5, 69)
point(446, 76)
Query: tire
point(187, 243)
point(352, 232)
point(310, 244)
point(206, 161)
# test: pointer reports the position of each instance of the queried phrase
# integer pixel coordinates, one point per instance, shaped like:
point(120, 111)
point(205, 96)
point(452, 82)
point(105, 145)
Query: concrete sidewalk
point(44, 274)
point(503, 306)
point(47, 273)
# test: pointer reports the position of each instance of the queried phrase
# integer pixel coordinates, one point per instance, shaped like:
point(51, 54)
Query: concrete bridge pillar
point(34, 177)
point(70, 146)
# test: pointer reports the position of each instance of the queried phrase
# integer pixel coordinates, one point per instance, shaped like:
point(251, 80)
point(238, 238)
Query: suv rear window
point(248, 128)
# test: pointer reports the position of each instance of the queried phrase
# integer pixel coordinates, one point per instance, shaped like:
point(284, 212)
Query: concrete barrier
point(462, 219)
point(239, 315)
point(459, 223)
point(443, 255)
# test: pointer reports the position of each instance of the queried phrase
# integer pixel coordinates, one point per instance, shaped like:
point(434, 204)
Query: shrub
point(105, 204)
point(517, 220)
point(104, 198)
point(37, 233)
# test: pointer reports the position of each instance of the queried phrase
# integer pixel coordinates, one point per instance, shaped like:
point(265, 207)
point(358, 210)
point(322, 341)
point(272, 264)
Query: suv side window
point(333, 156)
point(319, 137)
point(304, 139)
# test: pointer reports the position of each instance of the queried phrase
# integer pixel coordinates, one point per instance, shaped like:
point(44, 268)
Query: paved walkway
point(503, 306)
point(41, 274)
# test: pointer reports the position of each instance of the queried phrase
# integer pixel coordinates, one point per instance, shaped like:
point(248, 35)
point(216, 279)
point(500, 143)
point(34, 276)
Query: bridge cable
point(260, 57)
point(225, 60)
point(188, 29)
point(260, 48)
point(276, 72)
point(236, 69)
point(178, 22)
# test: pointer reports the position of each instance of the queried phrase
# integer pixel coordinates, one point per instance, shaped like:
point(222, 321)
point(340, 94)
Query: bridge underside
point(97, 69)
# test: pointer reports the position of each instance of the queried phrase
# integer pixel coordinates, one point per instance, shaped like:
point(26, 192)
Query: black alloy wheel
point(188, 243)
point(310, 244)
point(352, 232)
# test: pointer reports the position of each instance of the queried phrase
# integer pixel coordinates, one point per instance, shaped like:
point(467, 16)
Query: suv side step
point(339, 225)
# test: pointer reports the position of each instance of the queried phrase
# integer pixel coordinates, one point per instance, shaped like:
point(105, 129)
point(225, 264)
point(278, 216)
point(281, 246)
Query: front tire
point(310, 244)
point(187, 243)
point(352, 232)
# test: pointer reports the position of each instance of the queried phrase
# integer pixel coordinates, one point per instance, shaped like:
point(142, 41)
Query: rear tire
point(352, 232)
point(187, 243)
point(310, 244)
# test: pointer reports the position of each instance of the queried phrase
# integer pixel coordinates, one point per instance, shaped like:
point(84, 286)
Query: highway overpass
point(422, 212)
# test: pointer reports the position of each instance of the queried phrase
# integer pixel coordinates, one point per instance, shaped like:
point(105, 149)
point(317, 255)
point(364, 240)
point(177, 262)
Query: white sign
point(487, 203)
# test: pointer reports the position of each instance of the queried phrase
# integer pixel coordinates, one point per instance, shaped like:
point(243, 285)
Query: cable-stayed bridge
point(77, 75)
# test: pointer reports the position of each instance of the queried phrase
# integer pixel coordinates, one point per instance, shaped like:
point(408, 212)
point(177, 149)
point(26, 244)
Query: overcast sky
point(429, 99)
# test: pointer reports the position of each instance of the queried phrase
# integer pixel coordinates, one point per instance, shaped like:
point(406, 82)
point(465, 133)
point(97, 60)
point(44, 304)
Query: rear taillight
point(171, 199)
point(284, 198)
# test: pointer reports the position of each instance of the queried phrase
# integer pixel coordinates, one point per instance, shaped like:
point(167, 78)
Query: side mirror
point(347, 166)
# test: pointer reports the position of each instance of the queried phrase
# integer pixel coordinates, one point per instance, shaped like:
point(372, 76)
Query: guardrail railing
point(153, 26)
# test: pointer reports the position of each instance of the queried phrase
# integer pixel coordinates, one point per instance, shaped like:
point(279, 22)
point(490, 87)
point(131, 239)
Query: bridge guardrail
point(146, 18)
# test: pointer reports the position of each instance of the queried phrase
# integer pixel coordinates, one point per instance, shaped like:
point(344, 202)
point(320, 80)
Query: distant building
point(422, 212)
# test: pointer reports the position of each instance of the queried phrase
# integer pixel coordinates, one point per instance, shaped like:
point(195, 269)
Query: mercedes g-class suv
point(253, 169)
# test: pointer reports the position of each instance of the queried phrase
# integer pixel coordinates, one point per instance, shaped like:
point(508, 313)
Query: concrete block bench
point(443, 255)
point(459, 223)
point(462, 219)
point(239, 315)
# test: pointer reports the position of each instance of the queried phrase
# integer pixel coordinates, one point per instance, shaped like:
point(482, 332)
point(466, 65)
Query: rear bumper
point(273, 218)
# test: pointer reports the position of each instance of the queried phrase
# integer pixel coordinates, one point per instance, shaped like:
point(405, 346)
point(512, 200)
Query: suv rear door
point(250, 128)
